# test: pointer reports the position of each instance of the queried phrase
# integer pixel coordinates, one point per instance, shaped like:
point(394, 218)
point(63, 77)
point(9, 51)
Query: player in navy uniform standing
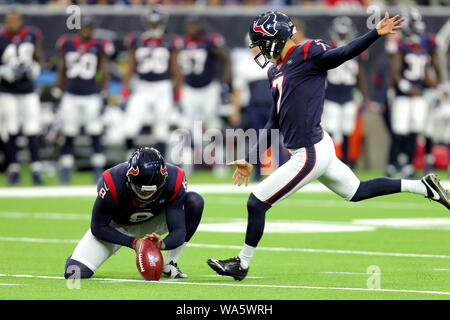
point(409, 61)
point(82, 56)
point(141, 199)
point(298, 88)
point(341, 107)
point(153, 57)
point(201, 55)
point(20, 52)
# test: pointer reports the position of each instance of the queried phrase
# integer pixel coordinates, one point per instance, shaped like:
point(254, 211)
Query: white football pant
point(306, 165)
point(20, 111)
point(92, 252)
point(409, 115)
point(152, 101)
point(79, 110)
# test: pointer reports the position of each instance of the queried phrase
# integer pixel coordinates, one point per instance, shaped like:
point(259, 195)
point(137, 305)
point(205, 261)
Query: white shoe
point(172, 271)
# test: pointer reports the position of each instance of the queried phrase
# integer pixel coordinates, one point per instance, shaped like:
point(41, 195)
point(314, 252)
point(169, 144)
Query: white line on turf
point(345, 272)
point(221, 284)
point(10, 284)
point(233, 247)
point(441, 269)
point(90, 190)
point(219, 276)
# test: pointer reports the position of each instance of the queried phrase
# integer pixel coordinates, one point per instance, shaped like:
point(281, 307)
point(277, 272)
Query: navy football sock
point(193, 209)
point(256, 220)
point(97, 143)
point(67, 148)
point(77, 270)
point(377, 187)
point(11, 149)
point(33, 145)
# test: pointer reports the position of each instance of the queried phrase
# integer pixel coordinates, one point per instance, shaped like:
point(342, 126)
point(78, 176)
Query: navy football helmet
point(155, 21)
point(264, 30)
point(414, 26)
point(146, 172)
point(342, 30)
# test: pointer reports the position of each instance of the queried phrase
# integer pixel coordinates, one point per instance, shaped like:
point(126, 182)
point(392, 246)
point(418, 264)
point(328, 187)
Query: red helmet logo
point(164, 171)
point(133, 171)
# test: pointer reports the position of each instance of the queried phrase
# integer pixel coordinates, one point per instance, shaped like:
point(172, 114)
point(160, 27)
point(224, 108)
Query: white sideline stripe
point(219, 276)
point(219, 246)
point(91, 190)
point(441, 269)
point(10, 284)
point(345, 272)
point(234, 285)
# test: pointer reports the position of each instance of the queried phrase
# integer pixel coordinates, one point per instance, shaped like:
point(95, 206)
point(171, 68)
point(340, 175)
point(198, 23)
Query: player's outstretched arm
point(331, 59)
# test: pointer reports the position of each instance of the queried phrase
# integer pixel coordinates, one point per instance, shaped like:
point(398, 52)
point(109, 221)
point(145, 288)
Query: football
point(149, 261)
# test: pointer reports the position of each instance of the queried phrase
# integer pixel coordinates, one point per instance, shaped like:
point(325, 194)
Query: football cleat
point(172, 271)
point(435, 190)
point(231, 268)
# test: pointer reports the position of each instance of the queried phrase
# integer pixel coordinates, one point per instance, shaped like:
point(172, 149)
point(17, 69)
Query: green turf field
point(316, 246)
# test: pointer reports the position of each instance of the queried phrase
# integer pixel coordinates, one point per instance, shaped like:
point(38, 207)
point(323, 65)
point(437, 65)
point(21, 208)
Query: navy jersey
point(82, 61)
point(152, 55)
point(341, 81)
point(116, 198)
point(18, 49)
point(298, 90)
point(415, 58)
point(197, 61)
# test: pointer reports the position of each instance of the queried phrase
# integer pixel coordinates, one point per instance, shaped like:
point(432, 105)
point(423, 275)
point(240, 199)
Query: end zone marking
point(221, 284)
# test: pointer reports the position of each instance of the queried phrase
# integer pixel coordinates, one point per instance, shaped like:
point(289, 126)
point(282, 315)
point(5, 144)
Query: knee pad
point(76, 270)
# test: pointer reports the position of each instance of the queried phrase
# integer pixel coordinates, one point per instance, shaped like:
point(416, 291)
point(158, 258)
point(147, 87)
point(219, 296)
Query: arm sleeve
point(331, 59)
point(175, 219)
point(266, 136)
point(101, 218)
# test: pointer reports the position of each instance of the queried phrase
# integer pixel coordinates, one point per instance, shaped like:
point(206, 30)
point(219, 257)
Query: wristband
point(133, 244)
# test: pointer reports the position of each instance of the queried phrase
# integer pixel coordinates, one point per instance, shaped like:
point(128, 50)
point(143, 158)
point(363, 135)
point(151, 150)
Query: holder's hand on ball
point(156, 239)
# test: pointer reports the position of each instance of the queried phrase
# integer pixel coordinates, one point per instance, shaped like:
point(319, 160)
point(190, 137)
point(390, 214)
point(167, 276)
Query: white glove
point(7, 72)
point(35, 70)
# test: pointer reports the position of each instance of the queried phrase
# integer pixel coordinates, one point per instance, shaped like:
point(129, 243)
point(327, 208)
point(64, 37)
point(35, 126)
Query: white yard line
point(90, 190)
point(356, 273)
point(276, 249)
point(220, 284)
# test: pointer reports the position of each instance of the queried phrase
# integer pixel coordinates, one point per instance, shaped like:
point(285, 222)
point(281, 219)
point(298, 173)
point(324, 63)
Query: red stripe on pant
point(305, 170)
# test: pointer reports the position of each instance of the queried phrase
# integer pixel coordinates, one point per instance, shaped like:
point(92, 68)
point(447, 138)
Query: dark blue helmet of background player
point(155, 22)
point(264, 30)
point(414, 26)
point(342, 30)
point(146, 172)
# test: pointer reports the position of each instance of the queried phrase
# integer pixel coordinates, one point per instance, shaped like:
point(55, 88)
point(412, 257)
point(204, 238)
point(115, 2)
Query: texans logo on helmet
point(164, 171)
point(268, 26)
point(133, 171)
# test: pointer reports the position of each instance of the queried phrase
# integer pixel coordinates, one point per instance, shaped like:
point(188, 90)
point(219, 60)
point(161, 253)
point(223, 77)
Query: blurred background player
point(200, 59)
point(82, 56)
point(409, 60)
point(431, 95)
point(341, 107)
point(153, 57)
point(20, 51)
